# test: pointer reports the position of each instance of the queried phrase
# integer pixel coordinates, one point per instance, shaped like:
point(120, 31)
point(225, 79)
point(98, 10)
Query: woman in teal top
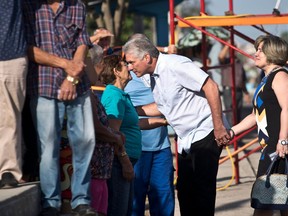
point(122, 113)
point(122, 117)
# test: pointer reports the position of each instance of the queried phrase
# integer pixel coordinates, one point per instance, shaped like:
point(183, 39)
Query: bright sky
point(218, 7)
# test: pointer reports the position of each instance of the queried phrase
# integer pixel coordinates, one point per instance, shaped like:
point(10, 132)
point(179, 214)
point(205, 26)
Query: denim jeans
point(48, 117)
point(154, 177)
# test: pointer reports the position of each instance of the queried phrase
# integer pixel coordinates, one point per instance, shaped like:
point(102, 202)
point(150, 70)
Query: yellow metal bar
point(234, 20)
point(98, 88)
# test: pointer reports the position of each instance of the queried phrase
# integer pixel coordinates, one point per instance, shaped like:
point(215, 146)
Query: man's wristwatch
point(73, 80)
point(283, 142)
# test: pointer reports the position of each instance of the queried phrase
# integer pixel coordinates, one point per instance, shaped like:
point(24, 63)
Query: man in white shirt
point(189, 100)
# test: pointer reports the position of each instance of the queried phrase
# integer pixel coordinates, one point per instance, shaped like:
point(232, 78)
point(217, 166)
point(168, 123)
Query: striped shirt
point(59, 34)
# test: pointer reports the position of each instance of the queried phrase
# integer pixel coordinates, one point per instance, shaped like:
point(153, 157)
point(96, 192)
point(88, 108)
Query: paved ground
point(235, 200)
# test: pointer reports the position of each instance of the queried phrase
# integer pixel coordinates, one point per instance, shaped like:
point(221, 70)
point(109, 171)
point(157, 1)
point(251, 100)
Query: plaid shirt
point(59, 34)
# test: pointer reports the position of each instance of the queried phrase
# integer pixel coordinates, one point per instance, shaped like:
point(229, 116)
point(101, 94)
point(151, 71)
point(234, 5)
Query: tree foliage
point(110, 16)
point(113, 15)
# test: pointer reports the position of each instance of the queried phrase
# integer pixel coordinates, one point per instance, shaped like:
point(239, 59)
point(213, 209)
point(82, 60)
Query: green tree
point(115, 18)
point(111, 16)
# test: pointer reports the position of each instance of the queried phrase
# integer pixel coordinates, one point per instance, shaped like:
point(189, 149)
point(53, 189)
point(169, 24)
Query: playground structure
point(227, 22)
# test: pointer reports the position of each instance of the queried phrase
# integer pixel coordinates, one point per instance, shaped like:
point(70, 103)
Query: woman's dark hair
point(110, 62)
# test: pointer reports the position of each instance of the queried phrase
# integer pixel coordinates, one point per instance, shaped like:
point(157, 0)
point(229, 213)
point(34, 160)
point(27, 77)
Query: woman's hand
point(127, 168)
point(282, 150)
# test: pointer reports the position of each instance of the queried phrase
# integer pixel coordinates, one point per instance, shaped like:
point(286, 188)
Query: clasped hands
point(67, 90)
point(223, 136)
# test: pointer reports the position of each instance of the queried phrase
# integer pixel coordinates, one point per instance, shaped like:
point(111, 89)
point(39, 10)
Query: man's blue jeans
point(154, 177)
point(48, 115)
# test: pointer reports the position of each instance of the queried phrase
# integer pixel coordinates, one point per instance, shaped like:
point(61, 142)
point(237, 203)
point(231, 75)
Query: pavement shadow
point(232, 205)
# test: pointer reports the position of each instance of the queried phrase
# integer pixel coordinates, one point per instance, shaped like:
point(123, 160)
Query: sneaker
point(49, 211)
point(8, 181)
point(84, 210)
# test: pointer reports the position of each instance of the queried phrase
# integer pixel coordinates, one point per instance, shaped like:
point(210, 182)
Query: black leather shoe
point(8, 181)
point(49, 211)
point(84, 210)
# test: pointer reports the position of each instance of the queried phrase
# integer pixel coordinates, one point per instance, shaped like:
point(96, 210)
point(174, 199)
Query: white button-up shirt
point(179, 98)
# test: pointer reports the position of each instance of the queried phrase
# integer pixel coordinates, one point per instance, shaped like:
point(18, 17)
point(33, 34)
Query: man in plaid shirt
point(57, 85)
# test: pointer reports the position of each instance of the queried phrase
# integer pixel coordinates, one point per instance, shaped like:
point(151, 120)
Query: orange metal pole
point(236, 20)
point(235, 153)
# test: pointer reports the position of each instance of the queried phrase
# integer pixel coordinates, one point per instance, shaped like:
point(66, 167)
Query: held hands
point(223, 136)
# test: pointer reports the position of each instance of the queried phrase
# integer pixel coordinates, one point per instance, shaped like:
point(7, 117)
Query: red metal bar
point(172, 23)
point(242, 135)
point(231, 6)
point(261, 29)
point(203, 44)
point(202, 6)
point(215, 37)
point(233, 95)
point(250, 152)
point(240, 34)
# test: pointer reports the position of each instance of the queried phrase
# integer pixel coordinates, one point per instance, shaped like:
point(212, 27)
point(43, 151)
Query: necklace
point(264, 79)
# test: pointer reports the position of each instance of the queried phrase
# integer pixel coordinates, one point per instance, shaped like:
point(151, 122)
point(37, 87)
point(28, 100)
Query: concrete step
point(21, 201)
